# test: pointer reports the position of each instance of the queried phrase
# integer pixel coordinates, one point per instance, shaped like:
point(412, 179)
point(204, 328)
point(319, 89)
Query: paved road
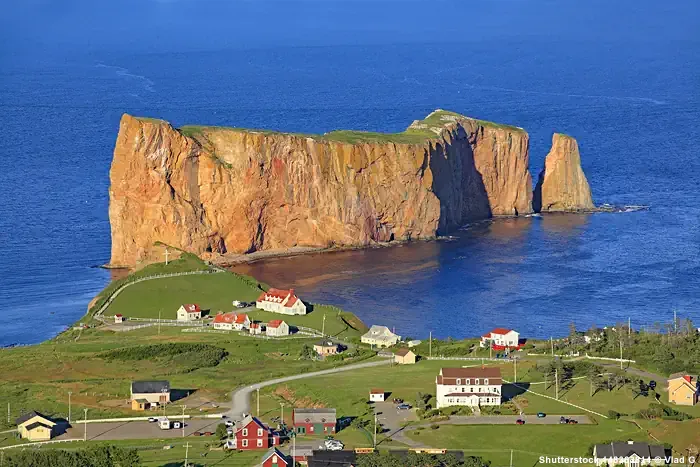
point(392, 419)
point(240, 398)
point(137, 430)
point(510, 420)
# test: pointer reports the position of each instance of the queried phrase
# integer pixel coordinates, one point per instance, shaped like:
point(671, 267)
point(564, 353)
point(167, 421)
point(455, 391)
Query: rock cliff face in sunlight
point(562, 185)
point(214, 191)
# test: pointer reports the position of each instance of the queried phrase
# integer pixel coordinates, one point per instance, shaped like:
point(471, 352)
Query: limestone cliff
point(212, 191)
point(562, 185)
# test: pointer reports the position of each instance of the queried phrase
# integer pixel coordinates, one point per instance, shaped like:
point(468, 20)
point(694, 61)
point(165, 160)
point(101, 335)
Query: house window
point(311, 428)
point(486, 381)
point(260, 443)
point(459, 381)
point(476, 381)
point(245, 443)
point(274, 458)
point(260, 431)
point(463, 388)
point(245, 431)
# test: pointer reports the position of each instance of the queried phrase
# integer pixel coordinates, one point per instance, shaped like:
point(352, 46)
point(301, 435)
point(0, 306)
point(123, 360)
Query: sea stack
point(221, 191)
point(562, 185)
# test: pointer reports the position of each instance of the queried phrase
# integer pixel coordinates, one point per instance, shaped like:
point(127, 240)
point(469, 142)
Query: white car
point(152, 419)
point(228, 422)
point(333, 445)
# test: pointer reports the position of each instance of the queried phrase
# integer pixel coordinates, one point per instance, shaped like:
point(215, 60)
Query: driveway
point(393, 420)
point(240, 398)
point(137, 430)
point(510, 420)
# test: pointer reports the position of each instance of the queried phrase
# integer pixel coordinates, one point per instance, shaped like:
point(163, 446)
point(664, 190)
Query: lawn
point(528, 442)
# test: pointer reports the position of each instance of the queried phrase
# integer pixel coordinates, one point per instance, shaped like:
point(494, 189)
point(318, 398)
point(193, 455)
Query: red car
point(520, 421)
point(571, 421)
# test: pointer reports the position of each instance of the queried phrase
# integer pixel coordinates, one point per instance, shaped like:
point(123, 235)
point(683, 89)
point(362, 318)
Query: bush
point(664, 412)
point(434, 426)
point(614, 415)
point(191, 356)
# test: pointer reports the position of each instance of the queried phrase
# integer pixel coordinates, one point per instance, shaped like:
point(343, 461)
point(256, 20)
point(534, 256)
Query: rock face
point(562, 185)
point(213, 191)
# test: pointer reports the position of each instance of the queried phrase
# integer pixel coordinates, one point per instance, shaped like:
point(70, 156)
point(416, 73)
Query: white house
point(281, 301)
point(380, 336)
point(231, 321)
point(472, 387)
point(501, 337)
point(629, 454)
point(255, 328)
point(376, 395)
point(118, 318)
point(277, 328)
point(189, 312)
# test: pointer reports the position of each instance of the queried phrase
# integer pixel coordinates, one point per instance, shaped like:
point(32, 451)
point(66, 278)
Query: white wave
point(146, 82)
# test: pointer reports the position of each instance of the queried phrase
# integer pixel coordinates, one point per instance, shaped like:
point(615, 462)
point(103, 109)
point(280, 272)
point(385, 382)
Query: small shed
point(405, 357)
point(376, 395)
point(118, 318)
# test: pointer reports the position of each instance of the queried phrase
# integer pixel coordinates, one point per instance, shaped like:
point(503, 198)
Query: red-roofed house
point(277, 328)
point(189, 312)
point(255, 328)
point(683, 389)
point(501, 339)
point(230, 321)
point(119, 318)
point(281, 301)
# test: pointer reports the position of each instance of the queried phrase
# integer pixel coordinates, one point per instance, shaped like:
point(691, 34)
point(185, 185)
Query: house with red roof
point(189, 312)
point(231, 321)
point(255, 328)
point(251, 433)
point(683, 389)
point(281, 301)
point(501, 339)
point(277, 328)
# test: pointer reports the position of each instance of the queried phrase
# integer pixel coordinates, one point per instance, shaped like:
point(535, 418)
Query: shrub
point(614, 415)
point(191, 356)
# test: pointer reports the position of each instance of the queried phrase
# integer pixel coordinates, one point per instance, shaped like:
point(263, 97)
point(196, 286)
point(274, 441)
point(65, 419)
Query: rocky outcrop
point(562, 185)
point(213, 191)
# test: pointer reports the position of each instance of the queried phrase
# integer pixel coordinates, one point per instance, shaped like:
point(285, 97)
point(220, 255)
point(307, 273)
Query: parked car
point(208, 433)
point(398, 401)
point(152, 419)
point(333, 445)
point(563, 420)
point(652, 385)
point(403, 406)
point(541, 414)
point(571, 421)
point(520, 421)
point(196, 433)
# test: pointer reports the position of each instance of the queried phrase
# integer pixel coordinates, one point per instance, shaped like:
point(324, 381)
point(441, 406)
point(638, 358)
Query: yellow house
point(35, 427)
point(683, 390)
point(404, 357)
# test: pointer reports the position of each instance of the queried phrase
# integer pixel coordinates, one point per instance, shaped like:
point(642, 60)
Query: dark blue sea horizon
point(622, 77)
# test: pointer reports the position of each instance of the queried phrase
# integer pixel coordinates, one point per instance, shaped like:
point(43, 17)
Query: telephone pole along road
point(240, 398)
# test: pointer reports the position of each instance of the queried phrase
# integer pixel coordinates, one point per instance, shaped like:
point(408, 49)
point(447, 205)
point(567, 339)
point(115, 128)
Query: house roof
point(281, 456)
point(118, 315)
point(279, 296)
point(449, 375)
point(485, 394)
point(150, 387)
point(332, 458)
point(376, 391)
point(254, 325)
point(30, 415)
point(314, 416)
point(304, 451)
point(627, 449)
point(191, 308)
point(31, 426)
point(403, 352)
point(275, 323)
point(501, 331)
point(325, 343)
point(227, 318)
point(241, 319)
point(247, 421)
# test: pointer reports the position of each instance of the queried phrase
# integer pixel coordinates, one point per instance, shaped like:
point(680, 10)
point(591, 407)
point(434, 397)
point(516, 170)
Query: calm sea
point(622, 77)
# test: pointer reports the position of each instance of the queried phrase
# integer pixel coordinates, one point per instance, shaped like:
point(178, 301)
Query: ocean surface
point(622, 77)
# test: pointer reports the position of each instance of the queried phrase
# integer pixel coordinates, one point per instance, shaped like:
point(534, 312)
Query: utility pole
point(556, 380)
point(551, 341)
point(183, 422)
point(85, 425)
point(258, 401)
point(8, 413)
point(490, 348)
point(375, 430)
point(430, 345)
point(675, 322)
point(159, 311)
point(515, 370)
point(281, 413)
point(629, 326)
point(323, 328)
point(69, 393)
point(511, 458)
point(621, 355)
point(166, 255)
point(187, 451)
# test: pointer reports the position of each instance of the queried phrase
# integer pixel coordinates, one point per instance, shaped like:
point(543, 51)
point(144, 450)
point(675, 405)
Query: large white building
point(281, 301)
point(472, 387)
point(501, 337)
point(380, 336)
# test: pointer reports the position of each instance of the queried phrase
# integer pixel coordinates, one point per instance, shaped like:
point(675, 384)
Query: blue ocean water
point(622, 77)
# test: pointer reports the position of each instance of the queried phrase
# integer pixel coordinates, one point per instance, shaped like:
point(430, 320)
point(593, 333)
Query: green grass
point(424, 130)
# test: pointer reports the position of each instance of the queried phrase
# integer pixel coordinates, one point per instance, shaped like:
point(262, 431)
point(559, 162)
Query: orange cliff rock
point(562, 185)
point(214, 191)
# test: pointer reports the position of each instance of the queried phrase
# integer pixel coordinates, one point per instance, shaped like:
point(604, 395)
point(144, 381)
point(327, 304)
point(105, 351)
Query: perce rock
point(562, 185)
point(214, 191)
